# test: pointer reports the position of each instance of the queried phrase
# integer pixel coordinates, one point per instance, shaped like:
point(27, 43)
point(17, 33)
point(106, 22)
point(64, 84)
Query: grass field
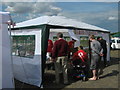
point(115, 53)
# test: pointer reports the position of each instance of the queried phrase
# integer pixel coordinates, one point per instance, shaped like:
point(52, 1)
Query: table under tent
point(30, 39)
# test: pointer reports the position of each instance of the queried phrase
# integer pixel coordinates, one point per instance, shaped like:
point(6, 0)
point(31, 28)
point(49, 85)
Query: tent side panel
point(106, 36)
point(7, 72)
point(27, 56)
point(0, 56)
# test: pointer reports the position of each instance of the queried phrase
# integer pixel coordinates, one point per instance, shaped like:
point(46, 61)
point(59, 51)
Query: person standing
point(60, 58)
point(71, 47)
point(95, 57)
point(49, 64)
point(104, 47)
point(49, 48)
point(71, 43)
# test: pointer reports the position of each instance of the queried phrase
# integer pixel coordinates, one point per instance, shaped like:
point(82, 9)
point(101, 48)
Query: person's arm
point(54, 51)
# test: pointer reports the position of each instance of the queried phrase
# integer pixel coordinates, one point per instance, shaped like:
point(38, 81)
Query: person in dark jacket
point(60, 58)
point(104, 47)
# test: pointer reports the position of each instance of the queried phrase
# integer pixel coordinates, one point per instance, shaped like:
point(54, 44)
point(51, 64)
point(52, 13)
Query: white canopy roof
point(59, 21)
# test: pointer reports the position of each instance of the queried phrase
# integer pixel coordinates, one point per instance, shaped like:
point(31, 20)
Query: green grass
point(115, 53)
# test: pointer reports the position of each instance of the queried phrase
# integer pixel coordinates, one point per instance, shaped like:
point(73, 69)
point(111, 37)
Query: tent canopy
point(58, 21)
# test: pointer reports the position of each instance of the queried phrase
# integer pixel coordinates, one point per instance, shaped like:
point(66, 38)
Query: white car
point(115, 43)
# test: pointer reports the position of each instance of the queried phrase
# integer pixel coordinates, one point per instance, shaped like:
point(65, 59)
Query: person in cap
point(71, 47)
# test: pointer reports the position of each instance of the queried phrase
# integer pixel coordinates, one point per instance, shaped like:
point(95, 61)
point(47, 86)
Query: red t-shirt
point(71, 45)
point(80, 55)
point(60, 48)
point(50, 46)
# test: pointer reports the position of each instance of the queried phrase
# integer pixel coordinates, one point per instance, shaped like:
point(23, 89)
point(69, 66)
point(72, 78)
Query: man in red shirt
point(59, 56)
point(80, 54)
point(49, 48)
point(49, 64)
point(71, 47)
point(71, 43)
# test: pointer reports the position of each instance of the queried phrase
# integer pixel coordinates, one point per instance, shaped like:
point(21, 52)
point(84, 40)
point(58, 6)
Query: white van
point(115, 43)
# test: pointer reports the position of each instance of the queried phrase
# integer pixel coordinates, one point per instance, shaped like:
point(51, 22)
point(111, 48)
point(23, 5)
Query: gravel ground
point(108, 79)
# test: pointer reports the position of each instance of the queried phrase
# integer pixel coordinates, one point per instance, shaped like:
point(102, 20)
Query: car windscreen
point(113, 41)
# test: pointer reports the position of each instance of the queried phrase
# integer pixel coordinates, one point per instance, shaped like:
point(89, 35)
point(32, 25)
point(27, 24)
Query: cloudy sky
point(103, 14)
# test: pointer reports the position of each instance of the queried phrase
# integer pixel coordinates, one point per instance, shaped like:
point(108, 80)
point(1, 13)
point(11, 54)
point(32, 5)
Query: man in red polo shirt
point(49, 48)
point(60, 58)
point(49, 64)
point(71, 47)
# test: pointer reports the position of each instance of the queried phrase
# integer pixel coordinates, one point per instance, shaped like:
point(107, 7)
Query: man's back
point(95, 47)
point(60, 48)
point(81, 54)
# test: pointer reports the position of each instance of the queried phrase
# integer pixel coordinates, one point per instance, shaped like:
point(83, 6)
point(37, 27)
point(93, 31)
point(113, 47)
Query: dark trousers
point(105, 58)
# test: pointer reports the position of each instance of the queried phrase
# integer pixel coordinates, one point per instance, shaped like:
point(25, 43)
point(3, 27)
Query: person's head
point(99, 38)
point(59, 35)
point(92, 37)
point(80, 48)
point(73, 40)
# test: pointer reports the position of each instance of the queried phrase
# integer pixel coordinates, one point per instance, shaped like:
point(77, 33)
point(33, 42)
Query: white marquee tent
point(31, 69)
point(6, 71)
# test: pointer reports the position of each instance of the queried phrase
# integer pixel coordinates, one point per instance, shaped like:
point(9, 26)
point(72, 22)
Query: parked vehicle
point(115, 43)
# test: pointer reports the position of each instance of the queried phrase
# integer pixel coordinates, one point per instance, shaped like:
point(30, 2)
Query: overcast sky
point(103, 14)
